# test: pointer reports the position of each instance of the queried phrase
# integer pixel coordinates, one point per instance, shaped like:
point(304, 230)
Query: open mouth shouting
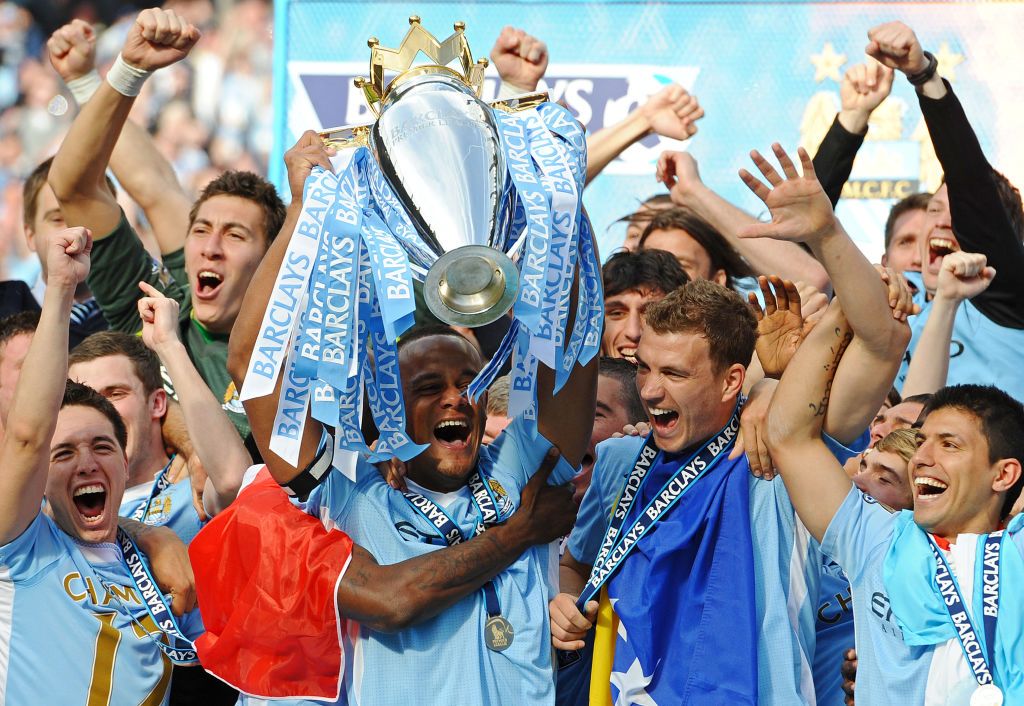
point(663, 420)
point(629, 353)
point(90, 502)
point(928, 489)
point(939, 248)
point(208, 284)
point(453, 433)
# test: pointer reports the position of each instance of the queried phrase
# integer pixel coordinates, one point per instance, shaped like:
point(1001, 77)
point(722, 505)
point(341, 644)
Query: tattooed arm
point(877, 309)
point(816, 482)
point(393, 597)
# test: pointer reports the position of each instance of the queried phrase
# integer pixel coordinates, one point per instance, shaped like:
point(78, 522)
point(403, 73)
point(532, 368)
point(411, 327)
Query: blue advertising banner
point(763, 72)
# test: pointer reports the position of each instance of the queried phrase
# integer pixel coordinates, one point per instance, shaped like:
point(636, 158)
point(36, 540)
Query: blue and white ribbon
point(346, 284)
point(283, 312)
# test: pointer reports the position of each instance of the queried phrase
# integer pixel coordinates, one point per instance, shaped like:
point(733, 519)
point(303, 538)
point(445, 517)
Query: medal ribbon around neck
point(488, 516)
point(617, 544)
point(980, 655)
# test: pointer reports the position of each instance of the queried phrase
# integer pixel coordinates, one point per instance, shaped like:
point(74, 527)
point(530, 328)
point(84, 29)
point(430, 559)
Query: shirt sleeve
point(33, 551)
point(331, 499)
point(834, 159)
point(614, 461)
point(521, 448)
point(859, 526)
point(119, 263)
point(842, 452)
point(980, 221)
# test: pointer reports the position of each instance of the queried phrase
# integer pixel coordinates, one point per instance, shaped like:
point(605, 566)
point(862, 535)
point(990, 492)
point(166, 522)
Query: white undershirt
point(445, 500)
point(949, 670)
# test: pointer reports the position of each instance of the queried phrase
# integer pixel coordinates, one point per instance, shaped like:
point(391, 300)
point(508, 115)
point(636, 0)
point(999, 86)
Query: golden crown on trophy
point(401, 61)
point(418, 40)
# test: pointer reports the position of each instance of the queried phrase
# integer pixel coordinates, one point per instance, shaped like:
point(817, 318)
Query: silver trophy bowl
point(438, 146)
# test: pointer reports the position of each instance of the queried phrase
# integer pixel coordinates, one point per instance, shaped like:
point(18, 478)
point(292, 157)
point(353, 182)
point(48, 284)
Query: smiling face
point(883, 475)
point(225, 245)
point(436, 370)
point(88, 471)
point(904, 252)
point(956, 487)
point(623, 321)
point(692, 256)
point(685, 397)
point(938, 240)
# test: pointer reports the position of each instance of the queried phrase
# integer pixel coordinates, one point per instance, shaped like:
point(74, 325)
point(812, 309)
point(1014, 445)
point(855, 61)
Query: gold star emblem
point(948, 61)
point(827, 63)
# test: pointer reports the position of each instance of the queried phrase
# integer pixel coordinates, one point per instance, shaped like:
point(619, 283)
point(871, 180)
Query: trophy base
point(471, 286)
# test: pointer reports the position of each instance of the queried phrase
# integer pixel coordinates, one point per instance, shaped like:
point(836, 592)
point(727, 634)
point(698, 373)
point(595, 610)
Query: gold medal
point(987, 695)
point(498, 634)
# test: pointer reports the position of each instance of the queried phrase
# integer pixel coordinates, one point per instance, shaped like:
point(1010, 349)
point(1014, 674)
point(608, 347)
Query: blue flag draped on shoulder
point(479, 204)
point(685, 603)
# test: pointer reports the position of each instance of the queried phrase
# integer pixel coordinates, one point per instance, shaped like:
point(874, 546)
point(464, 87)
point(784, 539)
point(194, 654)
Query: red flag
point(266, 579)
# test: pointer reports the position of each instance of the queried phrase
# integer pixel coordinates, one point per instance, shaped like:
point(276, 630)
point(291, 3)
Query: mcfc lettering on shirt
point(67, 613)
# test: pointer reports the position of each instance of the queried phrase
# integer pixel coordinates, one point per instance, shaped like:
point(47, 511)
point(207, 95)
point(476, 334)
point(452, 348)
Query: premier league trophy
point(478, 204)
point(438, 146)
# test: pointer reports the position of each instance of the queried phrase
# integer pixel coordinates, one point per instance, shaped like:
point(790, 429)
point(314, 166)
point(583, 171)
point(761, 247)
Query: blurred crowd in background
point(208, 113)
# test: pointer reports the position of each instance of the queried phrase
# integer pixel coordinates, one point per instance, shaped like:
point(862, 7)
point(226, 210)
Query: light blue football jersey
point(445, 659)
point(787, 568)
point(834, 616)
point(172, 508)
point(888, 670)
point(981, 351)
point(65, 637)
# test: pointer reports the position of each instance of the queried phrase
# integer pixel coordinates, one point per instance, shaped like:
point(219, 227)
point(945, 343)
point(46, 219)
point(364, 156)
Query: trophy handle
point(349, 136)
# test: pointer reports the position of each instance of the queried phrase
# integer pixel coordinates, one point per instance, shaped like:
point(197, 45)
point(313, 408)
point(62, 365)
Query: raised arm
point(25, 454)
point(520, 59)
point(158, 38)
point(307, 153)
point(566, 419)
point(863, 89)
point(671, 112)
point(801, 211)
point(963, 276)
point(212, 434)
point(979, 217)
point(678, 171)
point(144, 173)
point(816, 482)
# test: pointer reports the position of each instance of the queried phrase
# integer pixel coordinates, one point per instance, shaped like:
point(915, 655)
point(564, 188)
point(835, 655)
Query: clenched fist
point(520, 58)
point(72, 50)
point(895, 45)
point(158, 38)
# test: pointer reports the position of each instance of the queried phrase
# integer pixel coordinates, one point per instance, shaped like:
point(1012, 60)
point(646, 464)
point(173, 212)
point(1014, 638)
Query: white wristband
point(506, 90)
point(125, 78)
point(83, 87)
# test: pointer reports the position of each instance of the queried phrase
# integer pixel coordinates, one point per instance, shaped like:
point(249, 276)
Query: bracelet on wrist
point(125, 78)
point(925, 74)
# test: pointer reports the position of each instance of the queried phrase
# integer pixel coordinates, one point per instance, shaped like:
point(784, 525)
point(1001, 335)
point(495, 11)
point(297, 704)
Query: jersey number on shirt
point(107, 641)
